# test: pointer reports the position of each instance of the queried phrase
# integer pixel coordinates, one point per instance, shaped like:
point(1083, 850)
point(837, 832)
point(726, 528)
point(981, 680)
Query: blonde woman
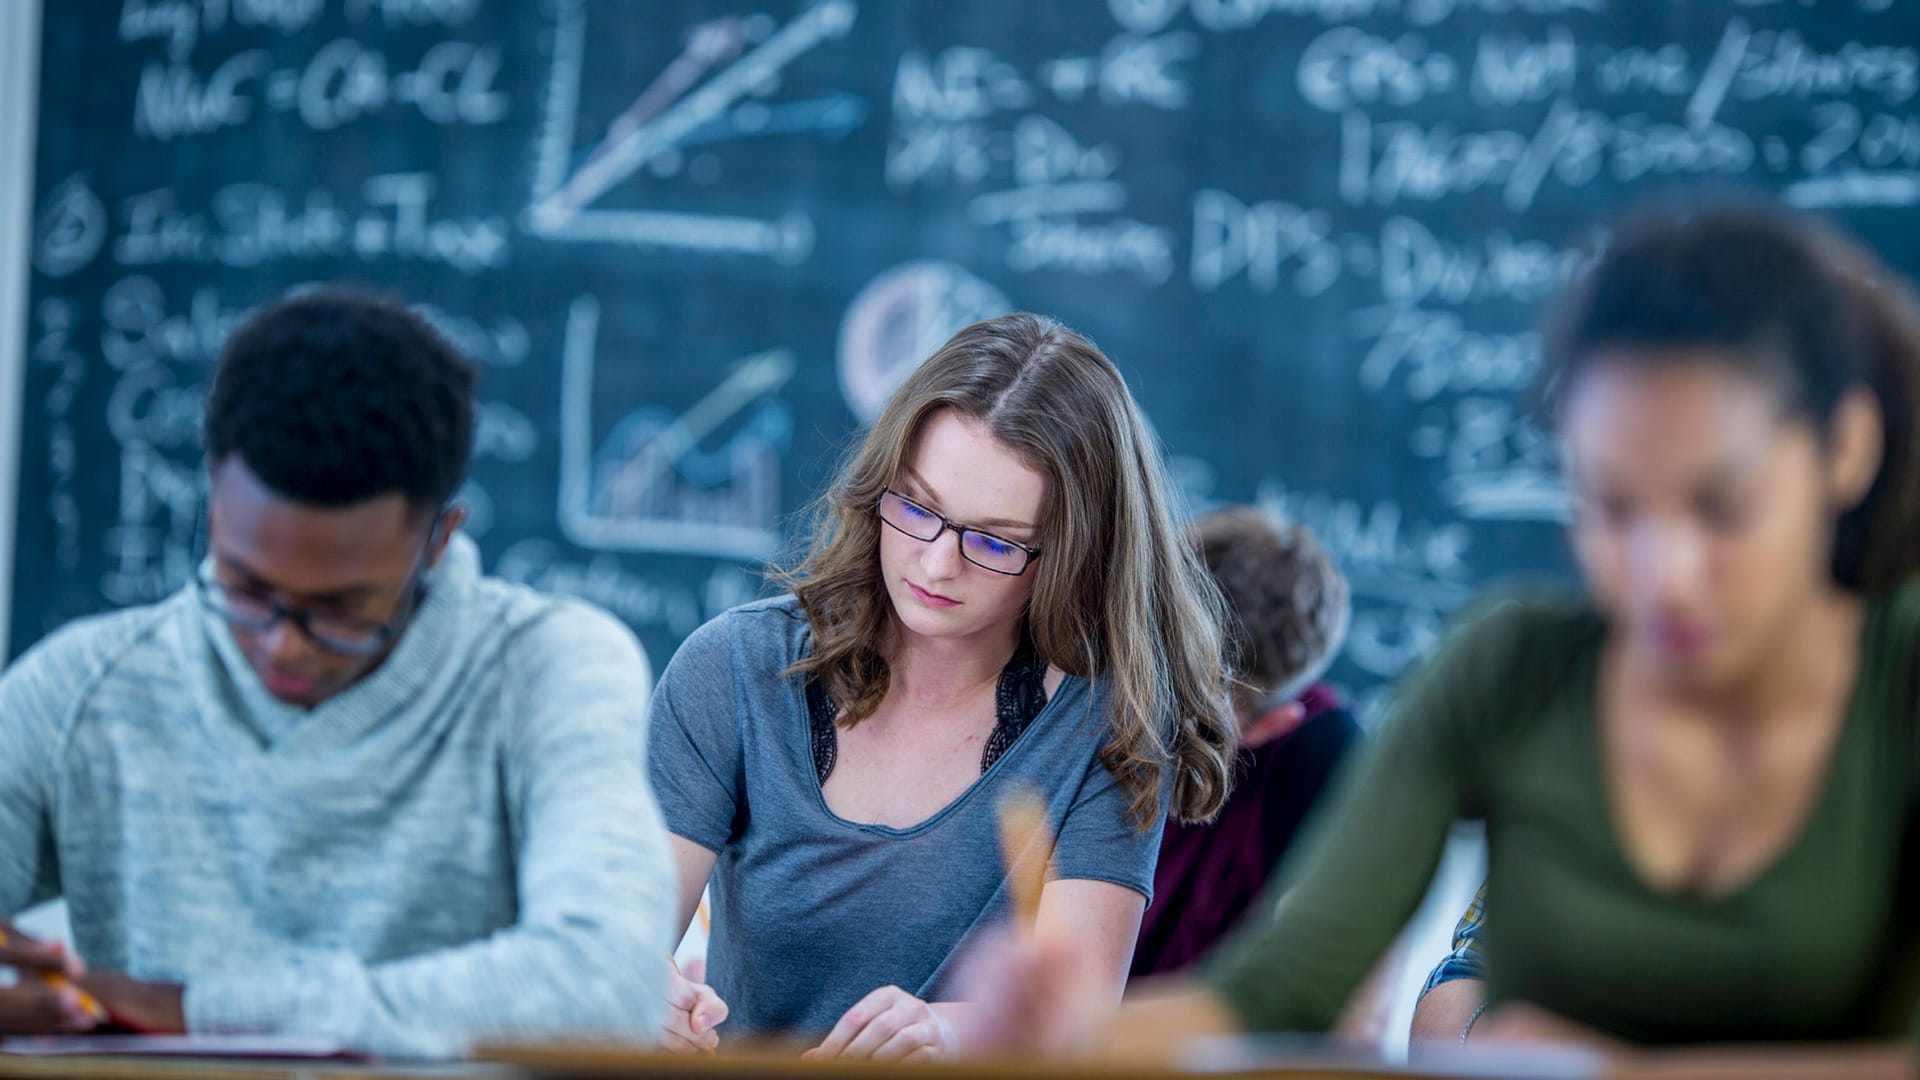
point(997, 594)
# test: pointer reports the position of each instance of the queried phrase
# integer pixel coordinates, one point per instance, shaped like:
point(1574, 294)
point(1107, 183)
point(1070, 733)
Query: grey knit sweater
point(463, 846)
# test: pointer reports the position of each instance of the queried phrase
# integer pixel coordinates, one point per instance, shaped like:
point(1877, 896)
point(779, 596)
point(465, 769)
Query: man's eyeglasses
point(982, 549)
point(343, 634)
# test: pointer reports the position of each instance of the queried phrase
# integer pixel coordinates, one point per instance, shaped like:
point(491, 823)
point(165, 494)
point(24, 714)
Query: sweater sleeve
point(1368, 860)
point(586, 957)
point(32, 701)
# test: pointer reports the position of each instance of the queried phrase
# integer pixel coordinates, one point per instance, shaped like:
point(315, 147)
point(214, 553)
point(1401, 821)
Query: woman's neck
point(1811, 655)
point(1802, 667)
point(933, 672)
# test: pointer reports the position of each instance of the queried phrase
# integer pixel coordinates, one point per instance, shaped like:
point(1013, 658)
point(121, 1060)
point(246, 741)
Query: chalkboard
point(694, 244)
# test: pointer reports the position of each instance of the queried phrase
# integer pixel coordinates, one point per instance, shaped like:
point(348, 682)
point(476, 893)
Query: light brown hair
point(1119, 594)
point(1288, 602)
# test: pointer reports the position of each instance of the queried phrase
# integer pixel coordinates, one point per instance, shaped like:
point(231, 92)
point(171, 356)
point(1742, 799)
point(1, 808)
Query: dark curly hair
point(1785, 297)
point(337, 395)
point(1289, 603)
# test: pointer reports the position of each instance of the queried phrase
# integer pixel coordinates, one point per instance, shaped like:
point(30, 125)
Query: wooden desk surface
point(589, 1063)
point(1881, 1062)
point(584, 1065)
point(170, 1068)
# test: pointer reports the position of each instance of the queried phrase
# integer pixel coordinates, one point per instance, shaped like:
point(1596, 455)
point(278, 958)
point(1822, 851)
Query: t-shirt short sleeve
point(1100, 840)
point(694, 727)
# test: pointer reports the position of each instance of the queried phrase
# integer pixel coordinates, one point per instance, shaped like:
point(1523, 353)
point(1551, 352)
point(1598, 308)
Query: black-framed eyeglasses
point(982, 549)
point(343, 634)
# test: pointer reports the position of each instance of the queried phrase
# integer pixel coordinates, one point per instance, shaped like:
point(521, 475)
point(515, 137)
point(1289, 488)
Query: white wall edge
point(19, 112)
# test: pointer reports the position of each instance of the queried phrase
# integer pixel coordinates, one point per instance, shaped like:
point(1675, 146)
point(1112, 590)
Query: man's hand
point(44, 1001)
point(150, 1008)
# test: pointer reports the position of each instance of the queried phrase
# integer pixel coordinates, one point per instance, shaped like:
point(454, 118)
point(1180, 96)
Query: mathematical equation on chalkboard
point(693, 246)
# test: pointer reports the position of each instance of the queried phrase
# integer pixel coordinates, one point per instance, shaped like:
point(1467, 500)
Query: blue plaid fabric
point(1464, 961)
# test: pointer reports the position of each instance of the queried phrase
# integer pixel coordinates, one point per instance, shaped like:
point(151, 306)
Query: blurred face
point(958, 470)
point(343, 568)
point(1703, 516)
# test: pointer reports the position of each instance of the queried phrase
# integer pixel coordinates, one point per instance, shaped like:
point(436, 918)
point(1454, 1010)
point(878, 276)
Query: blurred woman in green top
point(1698, 779)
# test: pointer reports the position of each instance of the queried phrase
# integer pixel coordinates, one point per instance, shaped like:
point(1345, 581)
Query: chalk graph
point(705, 481)
point(899, 319)
point(709, 94)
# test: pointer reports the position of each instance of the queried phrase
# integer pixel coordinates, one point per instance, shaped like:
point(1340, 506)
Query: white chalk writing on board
point(1330, 221)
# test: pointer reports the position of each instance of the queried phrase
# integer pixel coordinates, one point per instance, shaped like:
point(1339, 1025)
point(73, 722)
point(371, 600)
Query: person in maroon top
point(1289, 607)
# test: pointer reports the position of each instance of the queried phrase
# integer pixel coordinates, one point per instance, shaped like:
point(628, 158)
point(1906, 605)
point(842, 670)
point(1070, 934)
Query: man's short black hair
point(339, 395)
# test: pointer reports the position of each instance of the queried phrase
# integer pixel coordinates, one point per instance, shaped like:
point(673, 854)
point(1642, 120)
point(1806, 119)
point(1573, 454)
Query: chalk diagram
point(899, 319)
point(705, 481)
point(717, 90)
point(71, 229)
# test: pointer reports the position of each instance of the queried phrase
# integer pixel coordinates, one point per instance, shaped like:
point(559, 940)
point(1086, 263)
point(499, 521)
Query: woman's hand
point(693, 1011)
point(890, 1025)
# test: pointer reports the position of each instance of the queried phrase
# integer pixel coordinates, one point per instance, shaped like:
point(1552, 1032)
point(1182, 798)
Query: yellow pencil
point(1026, 845)
point(61, 982)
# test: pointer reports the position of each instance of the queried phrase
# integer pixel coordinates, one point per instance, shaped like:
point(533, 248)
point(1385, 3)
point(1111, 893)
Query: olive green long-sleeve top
point(1502, 726)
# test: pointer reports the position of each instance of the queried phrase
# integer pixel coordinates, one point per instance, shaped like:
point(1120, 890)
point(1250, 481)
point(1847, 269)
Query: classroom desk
point(1324, 1063)
point(586, 1063)
point(616, 1064)
point(587, 1066)
point(168, 1068)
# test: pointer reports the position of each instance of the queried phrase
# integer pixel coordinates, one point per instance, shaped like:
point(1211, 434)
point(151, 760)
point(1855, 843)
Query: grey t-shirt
point(812, 912)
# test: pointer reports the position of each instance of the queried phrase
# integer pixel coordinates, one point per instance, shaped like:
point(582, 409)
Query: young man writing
point(342, 785)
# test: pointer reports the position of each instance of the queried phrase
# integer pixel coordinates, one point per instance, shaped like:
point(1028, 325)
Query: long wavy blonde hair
point(1119, 592)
